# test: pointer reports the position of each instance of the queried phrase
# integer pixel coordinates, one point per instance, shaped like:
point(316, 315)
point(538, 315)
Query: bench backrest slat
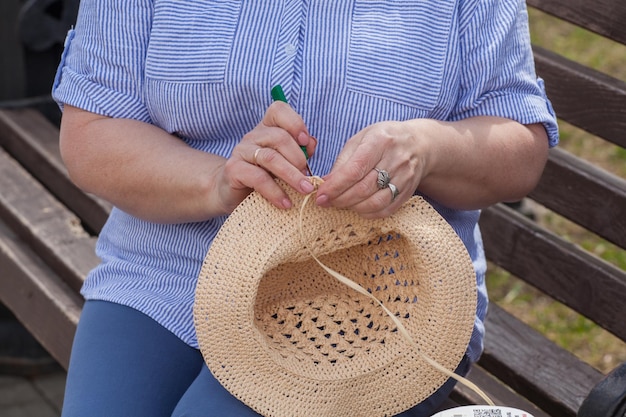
point(511, 352)
point(33, 141)
point(605, 17)
point(586, 98)
point(38, 297)
point(53, 232)
point(498, 392)
point(559, 268)
point(585, 194)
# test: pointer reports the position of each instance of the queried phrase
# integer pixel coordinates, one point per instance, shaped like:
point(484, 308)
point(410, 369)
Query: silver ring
point(383, 178)
point(394, 191)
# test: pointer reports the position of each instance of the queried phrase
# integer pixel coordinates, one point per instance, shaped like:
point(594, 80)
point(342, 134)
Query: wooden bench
point(48, 229)
point(550, 377)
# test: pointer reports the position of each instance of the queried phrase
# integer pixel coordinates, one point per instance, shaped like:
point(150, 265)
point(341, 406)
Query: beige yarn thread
point(401, 329)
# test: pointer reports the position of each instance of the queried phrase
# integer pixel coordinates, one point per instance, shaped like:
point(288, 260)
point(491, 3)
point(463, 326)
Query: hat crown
point(315, 326)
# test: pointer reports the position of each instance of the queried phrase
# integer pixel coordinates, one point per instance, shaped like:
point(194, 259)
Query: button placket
point(287, 51)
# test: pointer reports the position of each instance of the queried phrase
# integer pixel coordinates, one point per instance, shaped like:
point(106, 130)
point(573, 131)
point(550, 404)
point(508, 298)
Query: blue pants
point(124, 364)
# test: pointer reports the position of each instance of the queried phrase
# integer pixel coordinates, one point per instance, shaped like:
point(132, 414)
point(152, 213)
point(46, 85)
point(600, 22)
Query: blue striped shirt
point(203, 69)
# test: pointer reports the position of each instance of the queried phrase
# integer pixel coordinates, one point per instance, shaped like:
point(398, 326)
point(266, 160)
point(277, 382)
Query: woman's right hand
point(155, 176)
point(270, 150)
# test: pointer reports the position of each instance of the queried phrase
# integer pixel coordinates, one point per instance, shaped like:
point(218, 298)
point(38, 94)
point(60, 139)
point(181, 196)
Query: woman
point(167, 114)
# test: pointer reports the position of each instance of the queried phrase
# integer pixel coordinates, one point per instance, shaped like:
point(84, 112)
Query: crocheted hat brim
point(288, 339)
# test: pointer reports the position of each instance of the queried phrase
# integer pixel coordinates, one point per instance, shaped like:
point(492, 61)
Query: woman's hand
point(467, 164)
point(156, 176)
point(271, 149)
point(352, 183)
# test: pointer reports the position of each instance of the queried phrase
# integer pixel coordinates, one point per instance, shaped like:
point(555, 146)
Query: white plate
point(483, 411)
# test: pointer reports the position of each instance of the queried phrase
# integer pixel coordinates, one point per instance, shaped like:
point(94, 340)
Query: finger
point(356, 161)
point(310, 146)
point(272, 138)
point(243, 177)
point(283, 116)
point(379, 205)
point(359, 192)
point(274, 162)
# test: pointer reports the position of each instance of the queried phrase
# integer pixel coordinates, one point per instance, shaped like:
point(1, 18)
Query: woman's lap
point(207, 398)
point(125, 364)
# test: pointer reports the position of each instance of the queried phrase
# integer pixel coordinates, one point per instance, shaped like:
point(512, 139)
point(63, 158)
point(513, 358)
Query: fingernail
point(286, 203)
point(306, 186)
point(321, 200)
point(303, 139)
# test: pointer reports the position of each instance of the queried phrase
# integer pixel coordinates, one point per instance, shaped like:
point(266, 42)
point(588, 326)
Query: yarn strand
point(356, 287)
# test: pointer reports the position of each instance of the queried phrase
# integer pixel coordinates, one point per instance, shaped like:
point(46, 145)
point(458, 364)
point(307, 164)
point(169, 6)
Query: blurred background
point(32, 34)
point(31, 40)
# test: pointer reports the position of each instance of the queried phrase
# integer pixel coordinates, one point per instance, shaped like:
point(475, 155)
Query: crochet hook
point(279, 95)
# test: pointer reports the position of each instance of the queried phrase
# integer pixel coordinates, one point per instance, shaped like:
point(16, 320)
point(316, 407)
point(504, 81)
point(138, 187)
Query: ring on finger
point(394, 191)
point(254, 157)
point(383, 178)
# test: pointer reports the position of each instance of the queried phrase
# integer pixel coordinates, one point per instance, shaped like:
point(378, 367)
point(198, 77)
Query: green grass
point(577, 44)
point(559, 323)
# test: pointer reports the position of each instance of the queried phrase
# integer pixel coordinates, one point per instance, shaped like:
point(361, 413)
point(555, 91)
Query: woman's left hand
point(467, 164)
point(353, 181)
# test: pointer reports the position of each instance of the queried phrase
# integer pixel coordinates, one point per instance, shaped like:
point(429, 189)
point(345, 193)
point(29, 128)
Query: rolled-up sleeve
point(102, 65)
point(499, 77)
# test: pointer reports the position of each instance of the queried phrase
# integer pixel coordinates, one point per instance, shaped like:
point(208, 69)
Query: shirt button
point(290, 49)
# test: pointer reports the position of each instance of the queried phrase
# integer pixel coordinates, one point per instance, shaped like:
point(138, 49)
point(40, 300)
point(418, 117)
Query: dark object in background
point(523, 209)
point(20, 353)
point(608, 398)
point(42, 26)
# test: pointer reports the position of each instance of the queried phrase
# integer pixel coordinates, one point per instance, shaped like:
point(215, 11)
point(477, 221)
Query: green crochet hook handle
point(279, 95)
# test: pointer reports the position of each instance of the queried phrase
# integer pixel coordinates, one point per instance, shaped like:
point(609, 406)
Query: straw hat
point(288, 339)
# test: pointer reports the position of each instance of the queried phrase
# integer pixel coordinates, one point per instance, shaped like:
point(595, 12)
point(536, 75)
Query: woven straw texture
point(288, 339)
